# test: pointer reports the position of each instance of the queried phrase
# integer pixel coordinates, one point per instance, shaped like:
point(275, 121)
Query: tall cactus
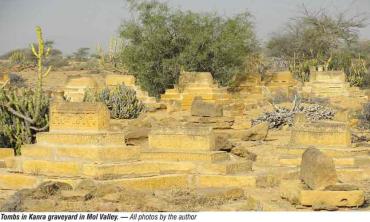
point(23, 112)
point(40, 54)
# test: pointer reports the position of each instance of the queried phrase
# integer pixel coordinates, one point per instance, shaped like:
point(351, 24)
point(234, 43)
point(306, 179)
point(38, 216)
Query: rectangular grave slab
point(321, 133)
point(78, 116)
point(182, 139)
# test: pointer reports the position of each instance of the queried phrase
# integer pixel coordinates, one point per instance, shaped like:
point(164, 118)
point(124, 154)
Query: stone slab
point(182, 139)
point(73, 116)
point(185, 156)
point(353, 198)
point(317, 169)
point(85, 138)
point(222, 181)
point(322, 133)
point(6, 152)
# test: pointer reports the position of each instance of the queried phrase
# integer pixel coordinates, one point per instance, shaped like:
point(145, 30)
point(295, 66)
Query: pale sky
point(73, 24)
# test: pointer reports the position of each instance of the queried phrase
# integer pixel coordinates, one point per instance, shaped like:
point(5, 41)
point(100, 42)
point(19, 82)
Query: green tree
point(160, 42)
point(316, 38)
point(81, 54)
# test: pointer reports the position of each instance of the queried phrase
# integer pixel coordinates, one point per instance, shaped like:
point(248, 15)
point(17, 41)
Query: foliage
point(17, 57)
point(81, 54)
point(315, 38)
point(121, 101)
point(14, 129)
point(23, 112)
point(161, 42)
point(25, 56)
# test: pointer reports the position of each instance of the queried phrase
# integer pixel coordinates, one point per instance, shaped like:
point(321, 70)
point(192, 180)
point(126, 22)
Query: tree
point(159, 42)
point(81, 54)
point(315, 38)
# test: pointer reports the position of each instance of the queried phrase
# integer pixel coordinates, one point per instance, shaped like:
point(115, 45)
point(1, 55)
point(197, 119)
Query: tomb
point(329, 84)
point(321, 133)
point(281, 83)
point(208, 114)
point(195, 84)
point(75, 88)
point(80, 145)
point(319, 185)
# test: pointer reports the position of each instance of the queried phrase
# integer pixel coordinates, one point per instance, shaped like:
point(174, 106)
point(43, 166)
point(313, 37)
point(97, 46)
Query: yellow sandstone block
point(153, 183)
point(87, 138)
point(182, 139)
point(352, 198)
point(37, 151)
point(14, 181)
point(297, 161)
point(120, 169)
point(6, 152)
point(225, 168)
point(101, 153)
point(74, 116)
point(185, 156)
point(112, 80)
point(220, 181)
point(53, 168)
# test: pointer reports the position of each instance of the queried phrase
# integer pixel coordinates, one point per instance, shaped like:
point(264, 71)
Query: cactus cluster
point(121, 101)
point(23, 112)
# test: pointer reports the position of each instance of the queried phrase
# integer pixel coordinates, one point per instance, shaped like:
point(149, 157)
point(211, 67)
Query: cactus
point(23, 112)
point(121, 101)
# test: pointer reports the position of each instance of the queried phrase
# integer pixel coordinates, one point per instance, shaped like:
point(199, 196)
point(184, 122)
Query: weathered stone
point(75, 88)
point(113, 80)
point(341, 187)
point(201, 108)
point(182, 138)
point(317, 169)
point(353, 198)
point(222, 143)
point(257, 133)
point(321, 133)
point(79, 116)
point(244, 153)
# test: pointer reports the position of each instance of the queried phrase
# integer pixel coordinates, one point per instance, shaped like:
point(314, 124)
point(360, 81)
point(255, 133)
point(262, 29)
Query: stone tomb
point(208, 115)
point(79, 144)
point(78, 117)
point(75, 88)
point(319, 186)
point(196, 84)
point(195, 148)
point(176, 157)
point(328, 84)
point(321, 133)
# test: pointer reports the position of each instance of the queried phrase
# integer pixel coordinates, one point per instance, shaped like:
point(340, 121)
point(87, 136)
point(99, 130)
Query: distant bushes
point(121, 101)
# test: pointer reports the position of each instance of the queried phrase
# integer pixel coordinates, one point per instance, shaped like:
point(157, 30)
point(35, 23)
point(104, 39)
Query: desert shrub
point(160, 42)
point(121, 101)
point(14, 129)
point(17, 57)
point(16, 80)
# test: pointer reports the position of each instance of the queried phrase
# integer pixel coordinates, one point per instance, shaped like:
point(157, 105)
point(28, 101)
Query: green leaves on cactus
point(15, 130)
point(121, 101)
